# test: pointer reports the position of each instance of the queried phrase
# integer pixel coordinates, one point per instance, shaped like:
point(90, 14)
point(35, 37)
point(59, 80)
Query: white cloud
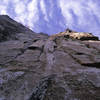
point(21, 18)
point(95, 9)
point(43, 8)
point(27, 14)
point(82, 11)
point(42, 3)
point(5, 2)
point(3, 9)
point(32, 6)
point(33, 11)
point(3, 12)
point(15, 1)
point(20, 8)
point(66, 13)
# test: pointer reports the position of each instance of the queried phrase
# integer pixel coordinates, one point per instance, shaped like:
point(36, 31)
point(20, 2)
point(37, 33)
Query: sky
point(53, 16)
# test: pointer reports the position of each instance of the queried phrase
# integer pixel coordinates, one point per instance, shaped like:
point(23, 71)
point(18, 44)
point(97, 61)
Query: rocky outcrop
point(12, 30)
point(79, 35)
point(41, 67)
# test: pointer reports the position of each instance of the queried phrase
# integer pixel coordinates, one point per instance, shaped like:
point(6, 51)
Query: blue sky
point(53, 16)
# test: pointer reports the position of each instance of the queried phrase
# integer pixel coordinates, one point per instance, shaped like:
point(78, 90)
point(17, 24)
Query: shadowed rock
point(9, 28)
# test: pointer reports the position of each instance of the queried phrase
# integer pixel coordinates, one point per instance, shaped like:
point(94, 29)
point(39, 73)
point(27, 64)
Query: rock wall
point(41, 67)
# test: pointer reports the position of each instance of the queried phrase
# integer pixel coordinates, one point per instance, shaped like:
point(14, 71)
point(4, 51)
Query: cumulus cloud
point(52, 16)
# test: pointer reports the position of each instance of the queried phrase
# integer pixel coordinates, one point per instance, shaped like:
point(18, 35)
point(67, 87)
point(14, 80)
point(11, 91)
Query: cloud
point(72, 9)
point(20, 8)
point(32, 13)
point(43, 8)
point(3, 9)
point(15, 1)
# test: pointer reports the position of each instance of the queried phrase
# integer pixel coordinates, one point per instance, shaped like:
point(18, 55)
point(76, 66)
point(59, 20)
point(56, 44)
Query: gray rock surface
point(41, 67)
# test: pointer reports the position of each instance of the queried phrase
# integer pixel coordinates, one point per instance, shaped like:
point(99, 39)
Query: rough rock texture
point(79, 35)
point(41, 67)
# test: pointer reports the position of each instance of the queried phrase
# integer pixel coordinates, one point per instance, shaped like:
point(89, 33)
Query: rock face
point(41, 67)
point(80, 35)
